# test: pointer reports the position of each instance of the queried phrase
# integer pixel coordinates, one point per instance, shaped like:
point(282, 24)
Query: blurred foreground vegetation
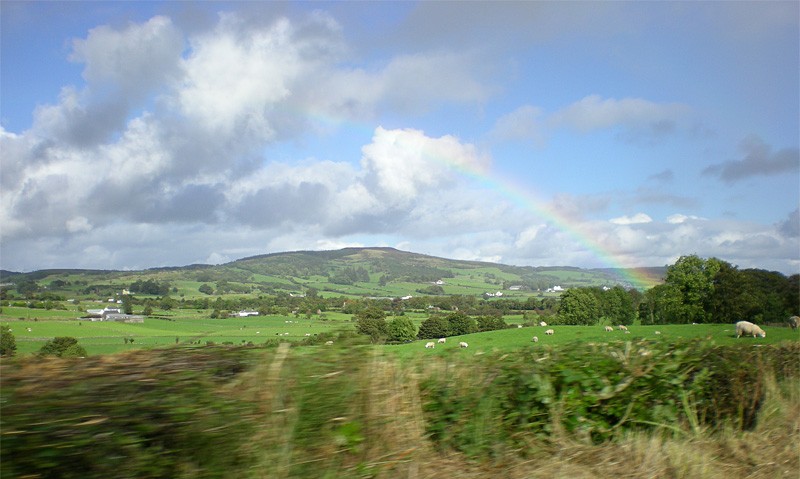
point(618, 409)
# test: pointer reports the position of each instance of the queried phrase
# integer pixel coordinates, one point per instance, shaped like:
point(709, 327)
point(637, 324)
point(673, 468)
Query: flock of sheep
point(431, 344)
point(743, 328)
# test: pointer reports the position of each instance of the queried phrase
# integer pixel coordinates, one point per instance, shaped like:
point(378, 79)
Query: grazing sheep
point(442, 340)
point(794, 322)
point(462, 344)
point(519, 326)
point(658, 332)
point(609, 329)
point(622, 327)
point(328, 343)
point(430, 345)
point(308, 334)
point(535, 339)
point(549, 332)
point(748, 328)
point(542, 324)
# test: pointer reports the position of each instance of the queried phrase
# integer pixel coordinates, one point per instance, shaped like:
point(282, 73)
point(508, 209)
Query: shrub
point(58, 346)
point(401, 329)
point(436, 326)
point(630, 386)
point(8, 343)
point(152, 414)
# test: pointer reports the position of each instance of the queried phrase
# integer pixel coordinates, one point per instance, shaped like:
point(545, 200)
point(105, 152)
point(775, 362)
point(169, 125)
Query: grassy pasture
point(191, 326)
point(518, 338)
point(104, 337)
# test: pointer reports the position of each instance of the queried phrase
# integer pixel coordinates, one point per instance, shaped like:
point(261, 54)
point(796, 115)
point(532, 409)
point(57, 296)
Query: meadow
point(195, 328)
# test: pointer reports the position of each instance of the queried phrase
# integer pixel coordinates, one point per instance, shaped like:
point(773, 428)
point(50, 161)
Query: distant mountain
point(383, 272)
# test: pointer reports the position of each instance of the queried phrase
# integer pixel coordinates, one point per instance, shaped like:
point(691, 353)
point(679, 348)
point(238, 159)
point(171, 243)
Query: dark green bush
point(597, 392)
point(144, 415)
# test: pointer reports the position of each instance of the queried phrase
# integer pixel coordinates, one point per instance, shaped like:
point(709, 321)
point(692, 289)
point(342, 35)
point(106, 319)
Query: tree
point(461, 324)
point(27, 288)
point(617, 306)
point(372, 323)
point(74, 351)
point(491, 323)
point(734, 297)
point(436, 326)
point(206, 289)
point(693, 277)
point(8, 343)
point(58, 346)
point(661, 305)
point(401, 329)
point(127, 306)
point(579, 306)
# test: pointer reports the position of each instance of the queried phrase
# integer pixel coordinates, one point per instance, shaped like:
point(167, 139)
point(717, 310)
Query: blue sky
point(594, 134)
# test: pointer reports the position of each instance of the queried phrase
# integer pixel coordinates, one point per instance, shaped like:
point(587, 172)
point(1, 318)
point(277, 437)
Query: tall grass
point(686, 410)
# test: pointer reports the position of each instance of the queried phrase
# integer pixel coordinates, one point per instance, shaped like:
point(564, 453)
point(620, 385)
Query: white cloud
point(638, 119)
point(638, 218)
point(593, 113)
point(232, 81)
point(404, 161)
point(135, 59)
point(679, 218)
point(524, 123)
point(78, 224)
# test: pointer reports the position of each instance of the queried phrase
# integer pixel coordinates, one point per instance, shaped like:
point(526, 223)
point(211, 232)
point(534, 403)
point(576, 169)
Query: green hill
point(374, 272)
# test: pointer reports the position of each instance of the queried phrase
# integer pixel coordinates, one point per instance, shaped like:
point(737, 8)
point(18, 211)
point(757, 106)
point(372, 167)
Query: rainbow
point(524, 198)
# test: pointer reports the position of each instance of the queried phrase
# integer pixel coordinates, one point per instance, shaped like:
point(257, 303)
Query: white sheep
point(609, 329)
point(462, 344)
point(542, 324)
point(519, 326)
point(748, 328)
point(442, 340)
point(535, 339)
point(622, 327)
point(658, 332)
point(430, 345)
point(549, 332)
point(328, 343)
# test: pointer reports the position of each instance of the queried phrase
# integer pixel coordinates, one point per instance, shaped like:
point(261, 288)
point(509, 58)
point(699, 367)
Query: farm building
point(124, 318)
point(112, 314)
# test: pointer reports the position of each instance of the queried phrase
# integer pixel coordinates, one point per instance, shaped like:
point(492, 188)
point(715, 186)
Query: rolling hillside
point(381, 272)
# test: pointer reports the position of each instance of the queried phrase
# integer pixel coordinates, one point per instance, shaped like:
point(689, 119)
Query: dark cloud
point(79, 123)
point(758, 160)
point(791, 227)
point(377, 223)
point(654, 196)
point(271, 206)
point(663, 176)
point(192, 203)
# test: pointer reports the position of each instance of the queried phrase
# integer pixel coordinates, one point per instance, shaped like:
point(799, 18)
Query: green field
point(103, 337)
point(189, 327)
